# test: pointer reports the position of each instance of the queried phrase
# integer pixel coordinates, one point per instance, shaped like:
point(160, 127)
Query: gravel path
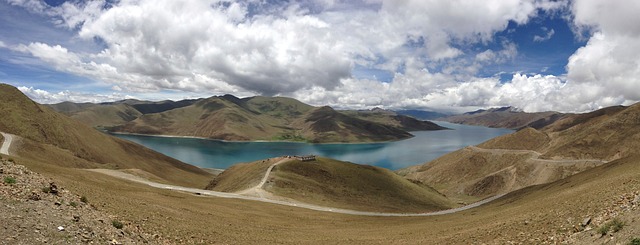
point(6, 143)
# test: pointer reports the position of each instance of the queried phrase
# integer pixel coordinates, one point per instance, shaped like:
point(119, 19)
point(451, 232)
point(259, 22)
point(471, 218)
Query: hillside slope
point(271, 118)
point(505, 117)
point(528, 157)
point(47, 133)
point(333, 183)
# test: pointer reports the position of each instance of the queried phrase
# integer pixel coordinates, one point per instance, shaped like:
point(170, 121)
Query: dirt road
point(126, 176)
point(535, 156)
point(6, 143)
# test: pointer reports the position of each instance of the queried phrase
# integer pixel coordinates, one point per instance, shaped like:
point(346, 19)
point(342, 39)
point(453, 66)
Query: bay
point(424, 147)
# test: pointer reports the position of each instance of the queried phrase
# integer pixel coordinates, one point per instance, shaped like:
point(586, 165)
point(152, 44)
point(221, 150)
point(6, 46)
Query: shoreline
point(261, 141)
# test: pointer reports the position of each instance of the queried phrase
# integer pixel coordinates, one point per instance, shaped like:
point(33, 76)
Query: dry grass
point(186, 218)
point(524, 139)
point(56, 136)
point(241, 176)
point(339, 184)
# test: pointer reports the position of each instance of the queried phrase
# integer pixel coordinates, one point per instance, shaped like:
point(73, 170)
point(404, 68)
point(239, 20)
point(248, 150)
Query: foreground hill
point(505, 117)
point(50, 136)
point(332, 183)
point(528, 157)
point(272, 118)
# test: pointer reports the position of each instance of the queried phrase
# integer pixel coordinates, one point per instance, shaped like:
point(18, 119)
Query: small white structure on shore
point(307, 158)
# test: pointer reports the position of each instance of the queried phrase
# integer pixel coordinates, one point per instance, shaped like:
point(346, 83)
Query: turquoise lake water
point(424, 147)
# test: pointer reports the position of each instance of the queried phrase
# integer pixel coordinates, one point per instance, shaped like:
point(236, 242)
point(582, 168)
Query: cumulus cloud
point(243, 45)
point(609, 63)
point(46, 97)
point(309, 49)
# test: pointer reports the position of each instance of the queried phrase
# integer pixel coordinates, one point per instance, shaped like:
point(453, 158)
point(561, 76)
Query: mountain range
point(254, 118)
point(505, 117)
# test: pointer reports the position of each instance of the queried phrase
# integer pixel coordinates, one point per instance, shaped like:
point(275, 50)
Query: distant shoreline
point(256, 141)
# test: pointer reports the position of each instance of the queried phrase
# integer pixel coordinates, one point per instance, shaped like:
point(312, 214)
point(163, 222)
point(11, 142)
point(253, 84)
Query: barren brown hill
point(271, 118)
point(52, 134)
point(530, 157)
point(609, 134)
point(395, 119)
point(98, 115)
point(241, 176)
point(505, 117)
point(332, 183)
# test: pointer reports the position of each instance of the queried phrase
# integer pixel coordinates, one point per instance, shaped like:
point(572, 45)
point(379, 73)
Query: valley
point(537, 186)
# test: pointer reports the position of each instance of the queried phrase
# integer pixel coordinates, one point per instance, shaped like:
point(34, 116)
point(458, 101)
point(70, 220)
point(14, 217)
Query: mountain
point(98, 115)
point(333, 183)
point(111, 114)
point(528, 157)
point(393, 118)
point(273, 118)
point(422, 115)
point(505, 117)
point(55, 138)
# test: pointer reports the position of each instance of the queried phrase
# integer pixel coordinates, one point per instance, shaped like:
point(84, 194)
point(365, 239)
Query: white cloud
point(309, 49)
point(609, 64)
point(547, 36)
point(162, 44)
point(45, 97)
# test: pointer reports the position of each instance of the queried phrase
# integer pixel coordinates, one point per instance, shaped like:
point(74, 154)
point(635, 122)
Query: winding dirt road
point(258, 191)
point(8, 138)
point(536, 156)
point(126, 176)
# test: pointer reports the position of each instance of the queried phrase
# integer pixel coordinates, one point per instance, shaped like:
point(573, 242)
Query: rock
point(34, 196)
point(53, 188)
point(57, 203)
point(115, 242)
point(60, 228)
point(76, 218)
point(586, 222)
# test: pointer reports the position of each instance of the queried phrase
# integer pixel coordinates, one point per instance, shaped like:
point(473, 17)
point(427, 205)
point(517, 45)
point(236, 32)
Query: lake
point(424, 147)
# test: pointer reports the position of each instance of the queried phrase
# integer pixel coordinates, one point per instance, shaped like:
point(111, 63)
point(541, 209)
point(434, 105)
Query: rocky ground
point(34, 210)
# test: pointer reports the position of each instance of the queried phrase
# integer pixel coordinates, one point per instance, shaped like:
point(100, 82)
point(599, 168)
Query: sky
point(437, 55)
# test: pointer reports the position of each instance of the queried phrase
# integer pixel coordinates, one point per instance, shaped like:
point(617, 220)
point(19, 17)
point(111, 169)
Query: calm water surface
point(425, 146)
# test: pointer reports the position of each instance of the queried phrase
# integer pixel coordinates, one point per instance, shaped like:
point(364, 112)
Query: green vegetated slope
point(271, 118)
point(48, 133)
point(530, 157)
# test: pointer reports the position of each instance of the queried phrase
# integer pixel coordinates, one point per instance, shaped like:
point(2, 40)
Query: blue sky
point(456, 56)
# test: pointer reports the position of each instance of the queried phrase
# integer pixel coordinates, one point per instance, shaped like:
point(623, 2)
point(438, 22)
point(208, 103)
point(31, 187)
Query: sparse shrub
point(603, 229)
point(11, 160)
point(84, 199)
point(9, 180)
point(634, 241)
point(73, 204)
point(117, 224)
point(46, 189)
point(616, 225)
